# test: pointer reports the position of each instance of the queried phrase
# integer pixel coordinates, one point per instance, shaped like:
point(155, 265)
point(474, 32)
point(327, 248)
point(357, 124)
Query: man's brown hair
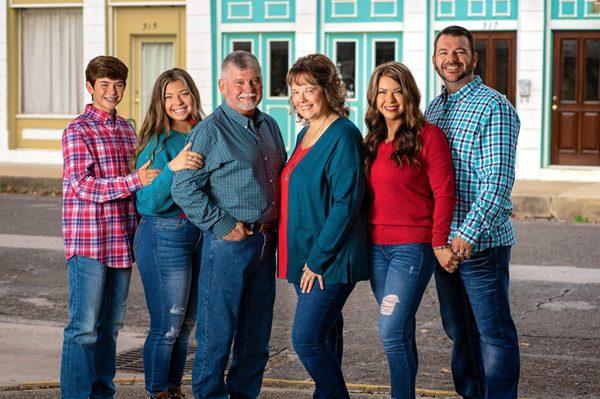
point(106, 66)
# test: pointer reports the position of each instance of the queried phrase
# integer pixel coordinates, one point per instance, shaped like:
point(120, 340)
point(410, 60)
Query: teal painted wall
point(573, 9)
point(363, 10)
point(449, 10)
point(252, 11)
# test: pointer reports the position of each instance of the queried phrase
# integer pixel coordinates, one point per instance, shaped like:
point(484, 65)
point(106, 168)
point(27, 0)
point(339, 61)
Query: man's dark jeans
point(476, 316)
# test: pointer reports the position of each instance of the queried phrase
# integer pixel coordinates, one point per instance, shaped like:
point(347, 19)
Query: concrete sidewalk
point(533, 199)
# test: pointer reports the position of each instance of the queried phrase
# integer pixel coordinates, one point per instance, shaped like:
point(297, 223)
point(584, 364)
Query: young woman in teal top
point(167, 246)
point(323, 248)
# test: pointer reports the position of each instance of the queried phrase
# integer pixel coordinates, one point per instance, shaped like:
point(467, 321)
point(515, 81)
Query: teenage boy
point(98, 223)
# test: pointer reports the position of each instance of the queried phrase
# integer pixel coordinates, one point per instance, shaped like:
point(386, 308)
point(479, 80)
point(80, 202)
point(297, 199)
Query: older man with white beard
point(235, 200)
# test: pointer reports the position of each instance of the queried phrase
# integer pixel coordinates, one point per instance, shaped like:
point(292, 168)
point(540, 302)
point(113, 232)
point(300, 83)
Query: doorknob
point(554, 107)
point(554, 98)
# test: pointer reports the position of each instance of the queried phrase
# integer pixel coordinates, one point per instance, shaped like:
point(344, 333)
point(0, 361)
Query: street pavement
point(555, 297)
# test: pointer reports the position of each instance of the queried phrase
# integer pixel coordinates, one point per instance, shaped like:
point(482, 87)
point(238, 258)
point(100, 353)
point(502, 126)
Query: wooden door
point(497, 65)
point(576, 99)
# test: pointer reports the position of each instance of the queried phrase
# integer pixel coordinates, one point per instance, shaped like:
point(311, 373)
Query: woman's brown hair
point(156, 120)
point(317, 69)
point(407, 143)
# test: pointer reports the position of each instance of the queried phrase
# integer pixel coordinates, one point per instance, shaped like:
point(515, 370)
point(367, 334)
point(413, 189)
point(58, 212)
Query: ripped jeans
point(167, 251)
point(399, 275)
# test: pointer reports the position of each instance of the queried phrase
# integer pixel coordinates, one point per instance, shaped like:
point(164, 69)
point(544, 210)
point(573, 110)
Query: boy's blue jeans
point(97, 302)
point(476, 316)
point(236, 295)
point(399, 276)
point(167, 251)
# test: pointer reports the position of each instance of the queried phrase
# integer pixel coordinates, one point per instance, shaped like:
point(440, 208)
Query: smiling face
point(241, 89)
point(390, 101)
point(106, 93)
point(309, 99)
point(454, 61)
point(178, 101)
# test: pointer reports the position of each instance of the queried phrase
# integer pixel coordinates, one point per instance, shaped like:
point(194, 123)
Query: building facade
point(544, 55)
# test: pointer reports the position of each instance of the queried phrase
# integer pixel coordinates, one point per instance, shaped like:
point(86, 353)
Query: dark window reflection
point(384, 52)
point(569, 70)
point(480, 69)
point(592, 70)
point(245, 46)
point(279, 64)
point(346, 63)
point(501, 66)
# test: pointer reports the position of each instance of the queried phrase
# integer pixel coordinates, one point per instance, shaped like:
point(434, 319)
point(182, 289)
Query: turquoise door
point(356, 55)
point(274, 52)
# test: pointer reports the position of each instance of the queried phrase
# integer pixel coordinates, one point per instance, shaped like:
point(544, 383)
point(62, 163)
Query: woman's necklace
point(319, 132)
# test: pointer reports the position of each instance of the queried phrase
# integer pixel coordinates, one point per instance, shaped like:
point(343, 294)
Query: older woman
point(411, 187)
point(322, 231)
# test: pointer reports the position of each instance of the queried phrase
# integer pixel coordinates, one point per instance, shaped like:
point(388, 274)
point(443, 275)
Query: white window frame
point(239, 3)
point(376, 40)
point(495, 12)
point(234, 40)
point(289, 42)
point(356, 66)
point(278, 2)
point(452, 5)
point(335, 2)
point(470, 11)
point(586, 7)
point(394, 14)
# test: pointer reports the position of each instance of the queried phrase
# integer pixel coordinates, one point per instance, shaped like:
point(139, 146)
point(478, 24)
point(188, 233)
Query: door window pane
point(245, 46)
point(346, 64)
point(51, 61)
point(384, 52)
point(278, 65)
point(501, 66)
point(156, 58)
point(481, 46)
point(569, 70)
point(592, 70)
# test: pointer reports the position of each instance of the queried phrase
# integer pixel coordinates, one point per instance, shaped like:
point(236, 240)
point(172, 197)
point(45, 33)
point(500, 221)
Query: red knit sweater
point(413, 204)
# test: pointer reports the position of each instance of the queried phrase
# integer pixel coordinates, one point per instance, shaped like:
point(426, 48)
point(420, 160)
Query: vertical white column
point(306, 28)
point(3, 76)
point(199, 51)
point(530, 66)
point(94, 36)
point(414, 43)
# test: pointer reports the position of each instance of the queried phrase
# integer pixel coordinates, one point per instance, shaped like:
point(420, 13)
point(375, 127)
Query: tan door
point(497, 65)
point(149, 40)
point(576, 99)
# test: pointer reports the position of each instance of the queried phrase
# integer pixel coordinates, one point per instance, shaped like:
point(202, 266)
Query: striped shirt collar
point(243, 120)
point(464, 92)
point(99, 115)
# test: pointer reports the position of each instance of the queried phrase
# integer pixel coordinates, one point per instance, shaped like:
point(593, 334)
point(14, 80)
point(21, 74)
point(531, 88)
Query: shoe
point(159, 395)
point(175, 393)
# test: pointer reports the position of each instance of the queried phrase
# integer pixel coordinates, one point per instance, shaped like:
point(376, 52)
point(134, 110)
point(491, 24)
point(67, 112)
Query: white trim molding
point(230, 6)
point(334, 14)
point(393, 14)
point(363, 27)
point(279, 3)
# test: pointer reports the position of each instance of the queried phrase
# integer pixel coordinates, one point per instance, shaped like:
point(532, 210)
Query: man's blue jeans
point(399, 276)
point(476, 316)
point(97, 302)
point(317, 336)
point(167, 251)
point(236, 298)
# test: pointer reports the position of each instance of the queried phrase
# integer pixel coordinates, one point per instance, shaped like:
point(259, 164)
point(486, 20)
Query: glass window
point(346, 63)
point(592, 70)
point(243, 45)
point(501, 66)
point(384, 52)
point(569, 68)
point(51, 50)
point(278, 65)
point(481, 46)
point(156, 58)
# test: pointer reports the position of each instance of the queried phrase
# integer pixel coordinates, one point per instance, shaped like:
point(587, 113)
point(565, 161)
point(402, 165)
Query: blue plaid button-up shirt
point(482, 128)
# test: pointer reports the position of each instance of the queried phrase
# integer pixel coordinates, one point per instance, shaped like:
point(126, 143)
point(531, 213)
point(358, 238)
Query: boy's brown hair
point(106, 66)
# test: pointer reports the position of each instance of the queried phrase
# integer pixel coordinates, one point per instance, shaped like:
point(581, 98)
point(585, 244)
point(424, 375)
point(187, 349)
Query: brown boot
point(159, 395)
point(176, 393)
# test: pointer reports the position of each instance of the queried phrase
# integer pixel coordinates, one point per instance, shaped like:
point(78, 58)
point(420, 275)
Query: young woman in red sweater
point(411, 187)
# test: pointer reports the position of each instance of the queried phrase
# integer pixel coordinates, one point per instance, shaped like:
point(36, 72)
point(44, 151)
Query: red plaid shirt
point(98, 217)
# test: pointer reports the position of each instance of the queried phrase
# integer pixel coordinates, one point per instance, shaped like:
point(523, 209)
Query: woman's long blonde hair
point(157, 120)
point(407, 143)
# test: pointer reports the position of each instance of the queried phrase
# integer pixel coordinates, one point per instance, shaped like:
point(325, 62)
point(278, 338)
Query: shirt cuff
point(224, 226)
point(133, 182)
point(468, 233)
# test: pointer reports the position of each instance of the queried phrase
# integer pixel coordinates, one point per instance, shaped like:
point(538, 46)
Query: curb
point(31, 185)
point(267, 382)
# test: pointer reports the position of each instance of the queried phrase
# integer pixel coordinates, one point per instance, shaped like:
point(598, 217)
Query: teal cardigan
point(327, 219)
point(155, 199)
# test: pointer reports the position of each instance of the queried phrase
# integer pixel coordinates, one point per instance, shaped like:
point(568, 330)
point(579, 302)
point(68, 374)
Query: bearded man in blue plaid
point(482, 128)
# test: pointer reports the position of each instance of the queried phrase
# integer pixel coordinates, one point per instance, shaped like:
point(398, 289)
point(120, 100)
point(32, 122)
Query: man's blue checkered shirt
point(482, 128)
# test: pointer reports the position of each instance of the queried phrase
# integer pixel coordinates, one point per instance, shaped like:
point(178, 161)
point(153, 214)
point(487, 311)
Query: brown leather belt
point(262, 227)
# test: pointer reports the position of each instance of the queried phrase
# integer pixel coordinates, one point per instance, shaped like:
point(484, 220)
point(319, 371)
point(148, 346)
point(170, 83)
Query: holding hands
point(187, 159)
point(308, 280)
point(447, 259)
